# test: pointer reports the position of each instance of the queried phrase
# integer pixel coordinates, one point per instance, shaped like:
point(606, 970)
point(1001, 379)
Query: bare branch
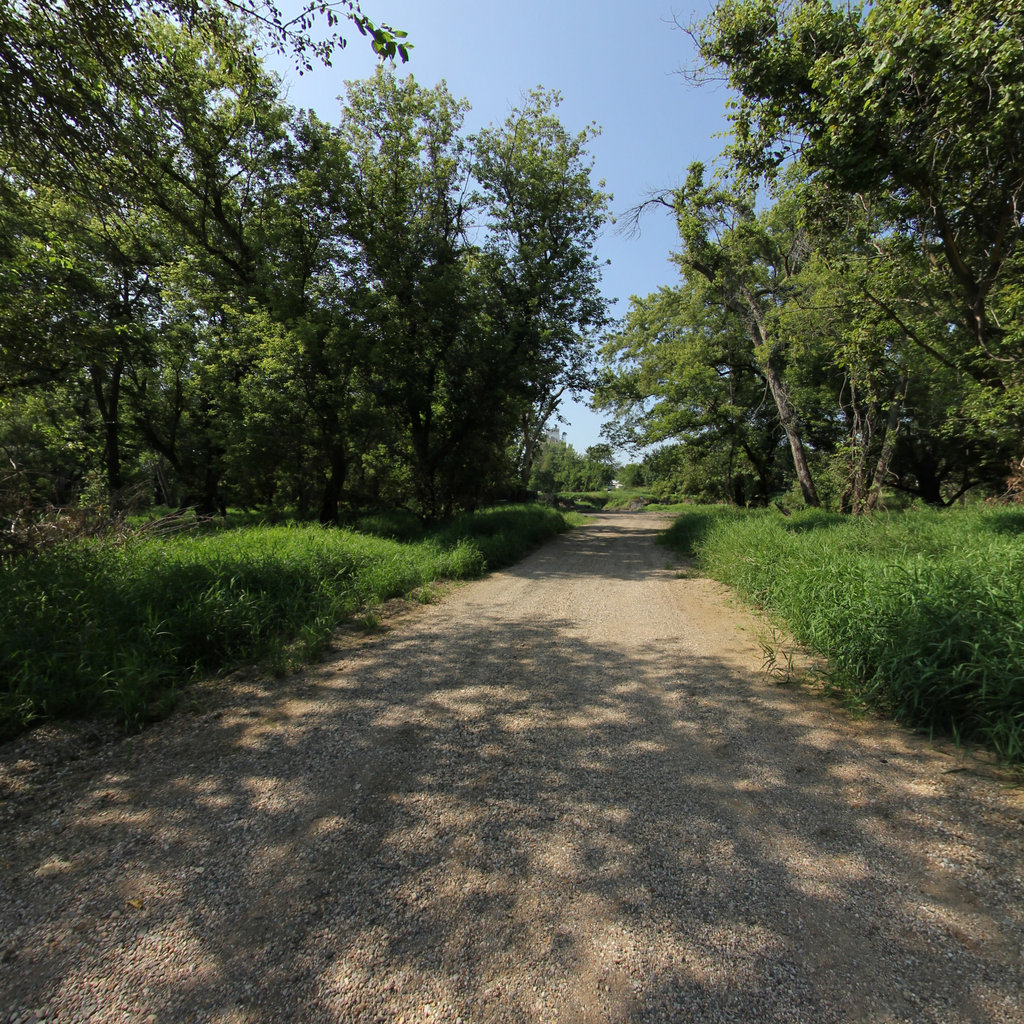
point(630, 224)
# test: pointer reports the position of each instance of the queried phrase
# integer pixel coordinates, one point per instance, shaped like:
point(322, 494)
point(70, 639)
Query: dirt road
point(566, 792)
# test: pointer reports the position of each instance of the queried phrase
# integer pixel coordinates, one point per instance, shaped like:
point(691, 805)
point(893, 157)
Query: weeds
point(369, 620)
point(777, 660)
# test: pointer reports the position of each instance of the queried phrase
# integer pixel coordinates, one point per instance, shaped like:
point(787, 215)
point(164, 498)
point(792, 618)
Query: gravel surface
point(564, 793)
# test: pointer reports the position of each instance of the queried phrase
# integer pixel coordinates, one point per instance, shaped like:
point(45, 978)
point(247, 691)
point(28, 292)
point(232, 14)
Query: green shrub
point(398, 524)
point(590, 500)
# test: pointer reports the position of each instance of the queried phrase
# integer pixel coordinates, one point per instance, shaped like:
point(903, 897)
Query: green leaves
point(72, 69)
point(876, 282)
point(918, 106)
point(386, 42)
point(545, 214)
point(228, 300)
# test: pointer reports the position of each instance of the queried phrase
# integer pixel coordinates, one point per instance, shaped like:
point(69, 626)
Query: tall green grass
point(115, 628)
point(609, 500)
point(921, 613)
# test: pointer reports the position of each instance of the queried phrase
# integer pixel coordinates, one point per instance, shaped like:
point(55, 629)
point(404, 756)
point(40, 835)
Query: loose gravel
point(564, 793)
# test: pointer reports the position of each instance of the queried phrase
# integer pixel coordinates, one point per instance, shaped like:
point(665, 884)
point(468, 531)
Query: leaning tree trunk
point(741, 300)
point(892, 426)
point(787, 417)
point(532, 432)
point(780, 394)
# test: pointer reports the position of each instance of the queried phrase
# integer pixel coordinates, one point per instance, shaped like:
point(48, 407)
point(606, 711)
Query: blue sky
point(616, 63)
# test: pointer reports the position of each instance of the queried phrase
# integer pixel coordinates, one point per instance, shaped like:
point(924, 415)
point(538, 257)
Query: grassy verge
point(592, 501)
point(611, 501)
point(624, 497)
point(116, 628)
point(921, 613)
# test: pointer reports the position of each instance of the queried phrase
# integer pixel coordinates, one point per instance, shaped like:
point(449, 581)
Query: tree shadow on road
point(515, 821)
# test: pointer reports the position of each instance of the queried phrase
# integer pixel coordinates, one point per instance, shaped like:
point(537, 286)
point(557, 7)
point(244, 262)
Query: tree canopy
point(864, 231)
point(208, 297)
point(73, 68)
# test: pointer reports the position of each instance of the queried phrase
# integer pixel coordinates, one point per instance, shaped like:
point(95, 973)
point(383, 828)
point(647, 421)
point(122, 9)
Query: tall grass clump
point(505, 533)
point(921, 613)
point(626, 497)
point(98, 627)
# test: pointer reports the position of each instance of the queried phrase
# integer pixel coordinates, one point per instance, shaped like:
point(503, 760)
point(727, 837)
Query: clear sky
point(615, 62)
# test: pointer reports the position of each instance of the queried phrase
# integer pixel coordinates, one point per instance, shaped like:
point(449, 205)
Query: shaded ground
point(566, 792)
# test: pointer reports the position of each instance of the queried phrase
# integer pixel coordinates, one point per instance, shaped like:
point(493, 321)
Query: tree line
point(850, 310)
point(209, 297)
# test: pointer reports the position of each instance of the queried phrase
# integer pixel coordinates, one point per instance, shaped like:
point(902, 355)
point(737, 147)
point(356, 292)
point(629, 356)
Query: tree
point(81, 307)
point(208, 153)
point(312, 350)
point(681, 372)
point(233, 255)
point(238, 302)
point(749, 263)
point(544, 218)
point(918, 107)
point(559, 467)
point(71, 68)
point(855, 368)
point(407, 215)
point(632, 475)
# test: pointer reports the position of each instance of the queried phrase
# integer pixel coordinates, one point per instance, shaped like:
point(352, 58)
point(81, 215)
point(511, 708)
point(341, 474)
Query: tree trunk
point(787, 416)
point(892, 426)
point(108, 401)
point(212, 503)
point(763, 469)
point(532, 433)
point(334, 486)
point(162, 492)
point(925, 469)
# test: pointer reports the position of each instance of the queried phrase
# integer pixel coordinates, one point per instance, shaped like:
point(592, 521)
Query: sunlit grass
point(921, 613)
point(116, 628)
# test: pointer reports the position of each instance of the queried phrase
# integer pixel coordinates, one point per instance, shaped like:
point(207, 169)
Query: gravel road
point(564, 793)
